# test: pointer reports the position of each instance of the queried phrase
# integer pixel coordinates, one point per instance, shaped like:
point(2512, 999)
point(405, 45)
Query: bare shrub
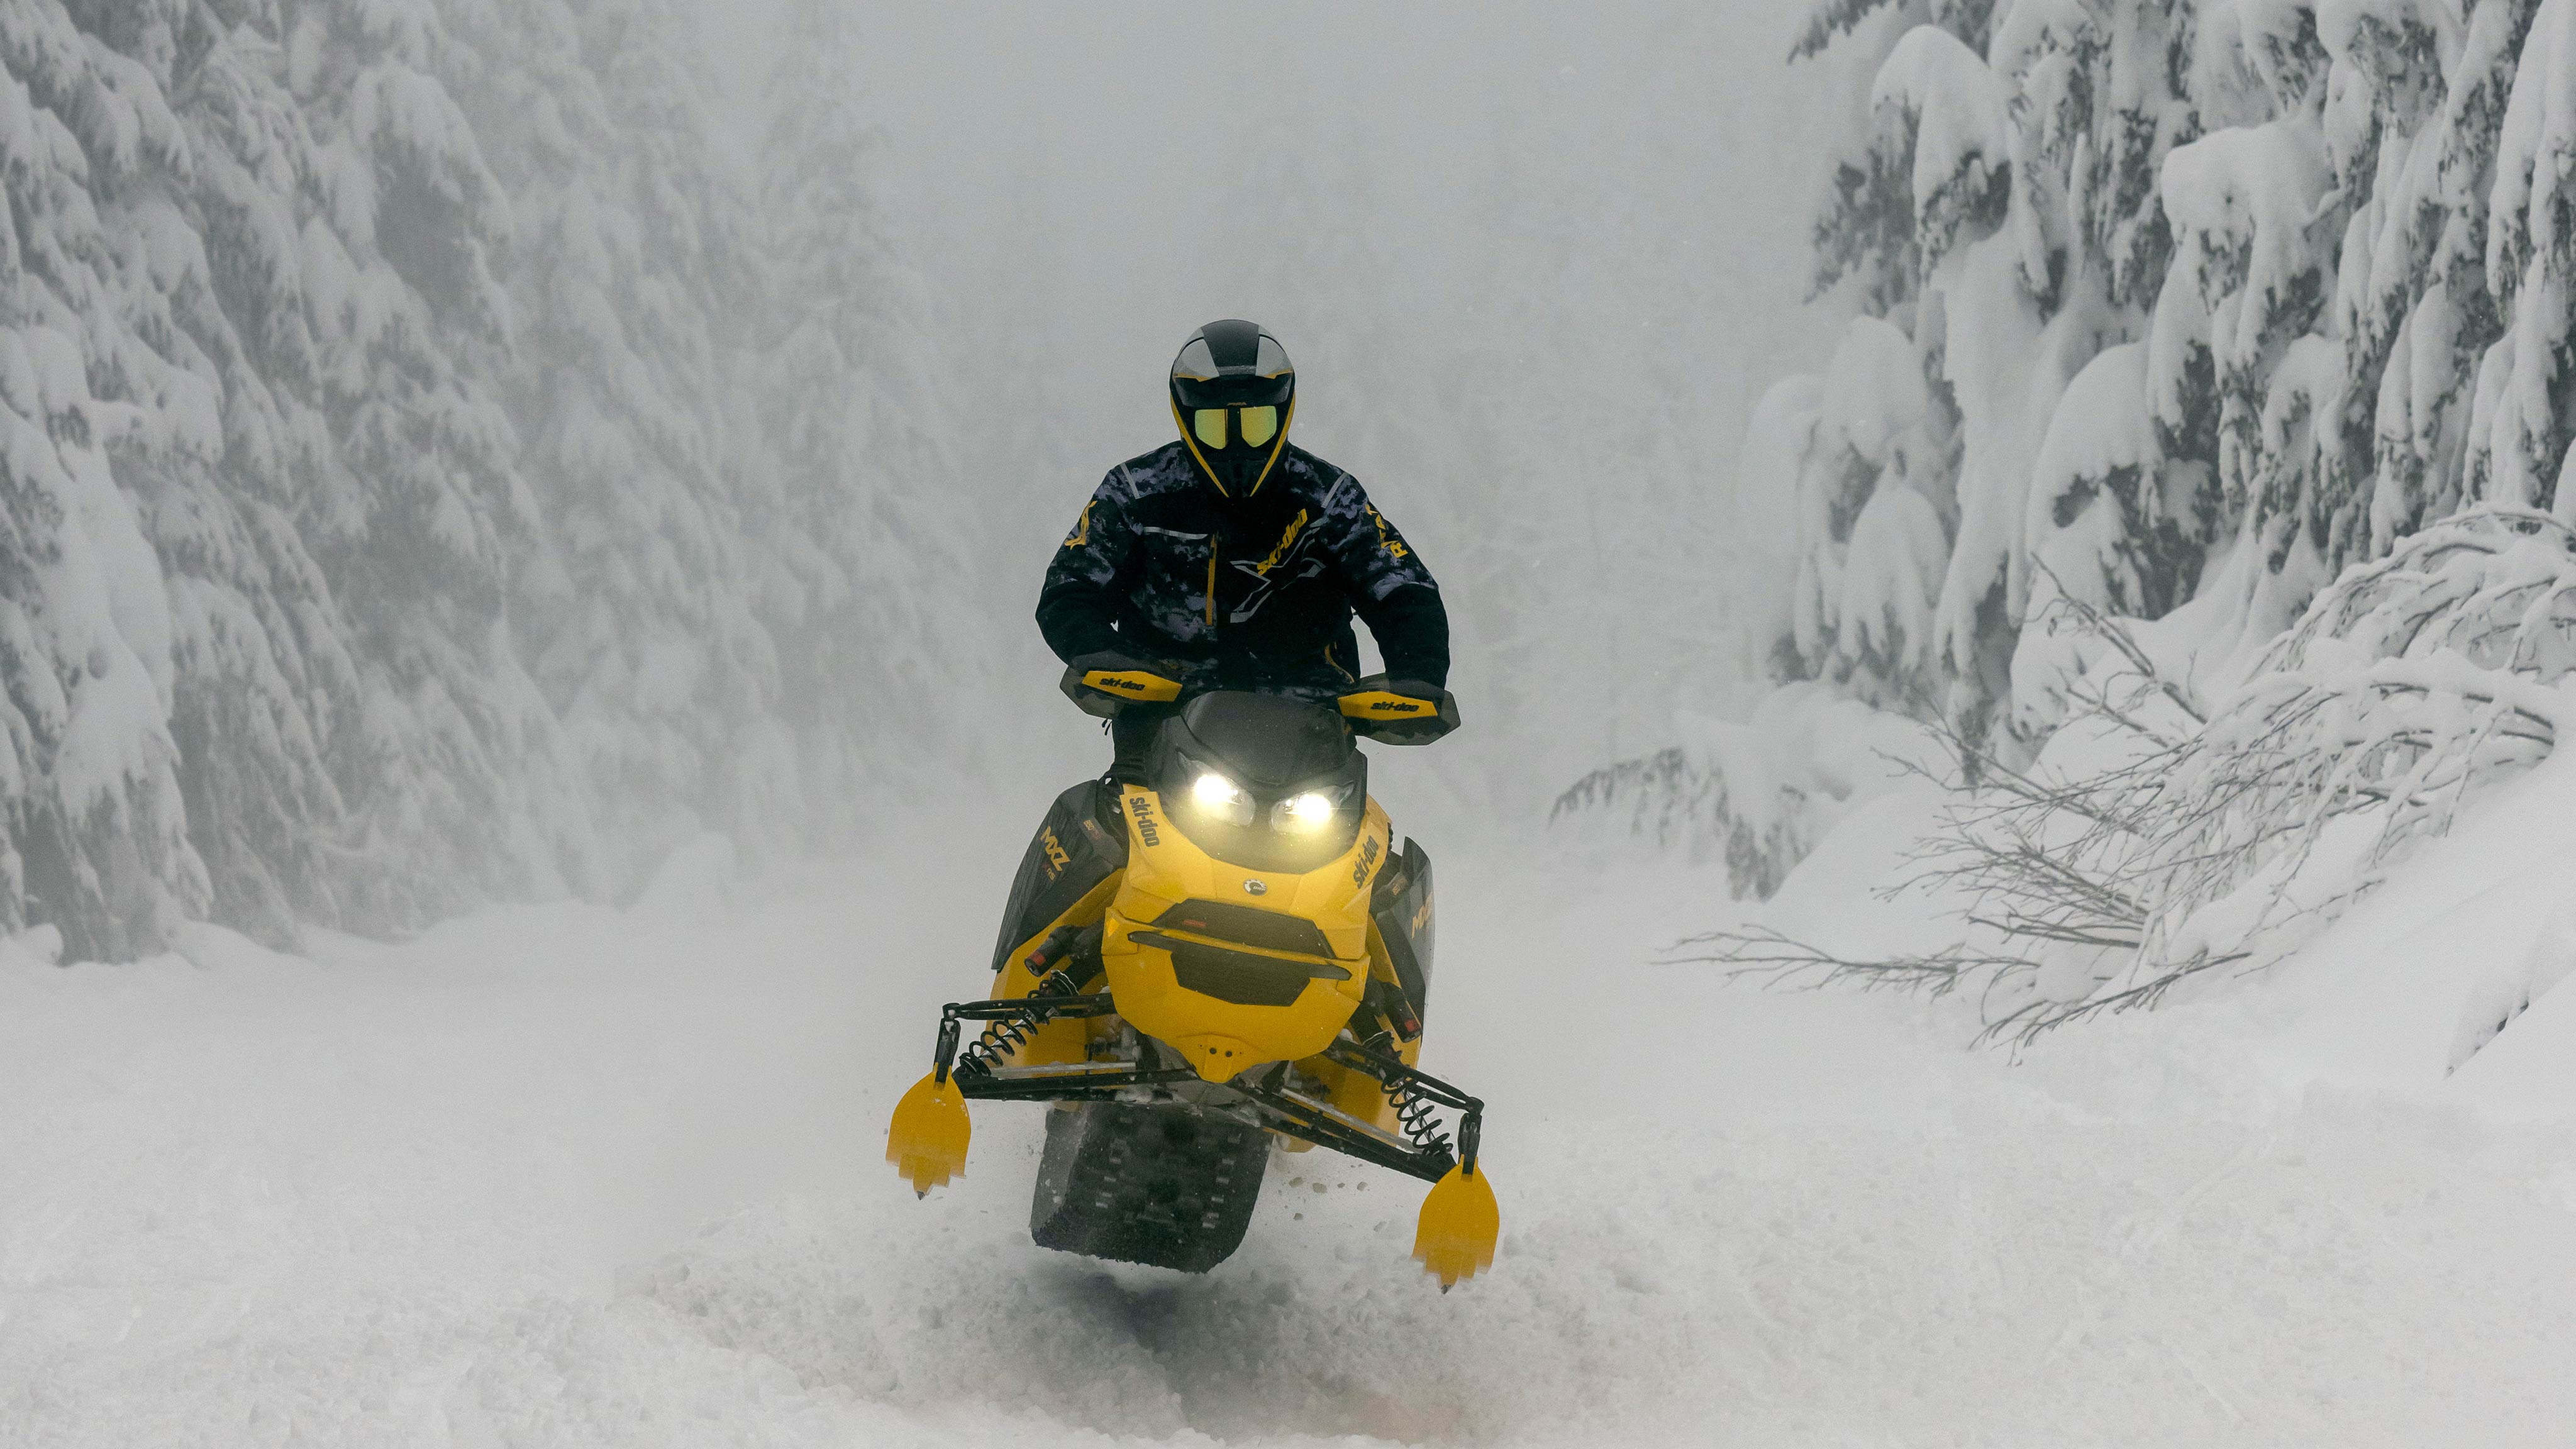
point(2409, 685)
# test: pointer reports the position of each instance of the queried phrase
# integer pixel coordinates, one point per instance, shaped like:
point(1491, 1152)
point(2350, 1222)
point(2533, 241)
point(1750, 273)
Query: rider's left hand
point(1400, 711)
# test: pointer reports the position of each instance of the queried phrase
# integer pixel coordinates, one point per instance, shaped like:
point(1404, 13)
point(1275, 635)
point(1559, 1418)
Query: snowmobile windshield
point(1261, 781)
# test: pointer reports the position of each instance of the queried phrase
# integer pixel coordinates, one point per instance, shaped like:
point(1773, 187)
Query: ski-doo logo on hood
point(1146, 827)
point(1368, 857)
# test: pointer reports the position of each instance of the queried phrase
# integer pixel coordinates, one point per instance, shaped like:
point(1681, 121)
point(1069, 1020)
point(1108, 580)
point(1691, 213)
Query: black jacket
point(1243, 593)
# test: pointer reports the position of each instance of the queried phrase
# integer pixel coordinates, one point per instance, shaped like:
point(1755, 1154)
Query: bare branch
point(2409, 684)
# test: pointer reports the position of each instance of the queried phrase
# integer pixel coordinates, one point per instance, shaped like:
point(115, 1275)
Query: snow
point(563, 1175)
point(2246, 196)
point(2074, 521)
point(1960, 129)
point(1891, 582)
point(2537, 145)
point(1868, 545)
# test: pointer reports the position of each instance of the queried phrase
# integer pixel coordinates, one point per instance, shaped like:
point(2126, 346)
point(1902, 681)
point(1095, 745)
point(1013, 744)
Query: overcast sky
point(1656, 139)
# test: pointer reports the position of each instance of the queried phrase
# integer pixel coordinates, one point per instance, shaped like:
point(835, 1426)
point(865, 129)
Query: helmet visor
point(1255, 426)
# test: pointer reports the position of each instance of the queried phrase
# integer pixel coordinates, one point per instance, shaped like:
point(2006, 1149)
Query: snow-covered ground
point(567, 1176)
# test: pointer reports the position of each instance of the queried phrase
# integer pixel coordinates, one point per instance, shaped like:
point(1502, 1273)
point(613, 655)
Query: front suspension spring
point(1417, 1116)
point(1417, 1099)
point(1001, 1038)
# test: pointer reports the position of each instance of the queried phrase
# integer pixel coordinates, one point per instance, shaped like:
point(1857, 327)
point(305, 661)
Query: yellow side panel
point(1015, 980)
point(1058, 1042)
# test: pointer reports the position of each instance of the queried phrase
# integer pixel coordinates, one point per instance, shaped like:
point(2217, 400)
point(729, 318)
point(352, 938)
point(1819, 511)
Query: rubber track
point(1158, 1185)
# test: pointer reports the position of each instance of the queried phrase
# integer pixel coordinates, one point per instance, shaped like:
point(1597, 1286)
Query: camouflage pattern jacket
point(1243, 593)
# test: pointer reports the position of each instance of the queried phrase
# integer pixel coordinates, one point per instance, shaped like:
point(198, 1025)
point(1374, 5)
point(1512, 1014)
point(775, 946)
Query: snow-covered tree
point(634, 281)
point(352, 353)
point(233, 364)
point(2221, 298)
point(860, 537)
point(422, 515)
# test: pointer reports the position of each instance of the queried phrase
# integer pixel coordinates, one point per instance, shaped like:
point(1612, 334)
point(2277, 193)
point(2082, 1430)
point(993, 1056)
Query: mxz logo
point(1057, 857)
point(1368, 857)
point(1146, 828)
point(1421, 916)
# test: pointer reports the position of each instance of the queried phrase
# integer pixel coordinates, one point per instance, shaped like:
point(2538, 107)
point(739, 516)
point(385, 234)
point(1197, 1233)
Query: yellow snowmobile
point(1228, 952)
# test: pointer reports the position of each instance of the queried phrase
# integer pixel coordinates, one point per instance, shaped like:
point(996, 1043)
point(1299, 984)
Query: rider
point(1230, 560)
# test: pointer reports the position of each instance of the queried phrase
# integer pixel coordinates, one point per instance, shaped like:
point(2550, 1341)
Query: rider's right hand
point(1108, 681)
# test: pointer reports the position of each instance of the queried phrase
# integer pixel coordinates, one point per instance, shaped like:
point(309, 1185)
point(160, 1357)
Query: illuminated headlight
point(1304, 814)
point(1219, 798)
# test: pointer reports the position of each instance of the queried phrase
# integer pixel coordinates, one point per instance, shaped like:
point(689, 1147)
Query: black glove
point(1106, 682)
point(1399, 711)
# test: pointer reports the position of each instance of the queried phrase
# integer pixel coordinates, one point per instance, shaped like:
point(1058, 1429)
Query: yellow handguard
point(926, 1141)
point(1136, 684)
point(1454, 1238)
point(1399, 711)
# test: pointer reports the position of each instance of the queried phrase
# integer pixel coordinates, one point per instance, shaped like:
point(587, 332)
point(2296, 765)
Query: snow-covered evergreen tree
point(860, 537)
point(635, 280)
point(234, 365)
point(451, 765)
point(352, 354)
point(2218, 299)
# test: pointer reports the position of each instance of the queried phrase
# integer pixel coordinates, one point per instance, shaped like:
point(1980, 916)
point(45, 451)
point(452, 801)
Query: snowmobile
point(1223, 954)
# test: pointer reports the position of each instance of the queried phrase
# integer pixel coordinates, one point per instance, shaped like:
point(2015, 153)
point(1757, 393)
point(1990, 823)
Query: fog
point(1534, 263)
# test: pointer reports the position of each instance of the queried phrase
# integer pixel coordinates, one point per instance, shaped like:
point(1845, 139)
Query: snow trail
point(571, 1176)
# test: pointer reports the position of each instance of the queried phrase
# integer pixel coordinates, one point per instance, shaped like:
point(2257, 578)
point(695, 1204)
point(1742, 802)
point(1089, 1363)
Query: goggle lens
point(1256, 425)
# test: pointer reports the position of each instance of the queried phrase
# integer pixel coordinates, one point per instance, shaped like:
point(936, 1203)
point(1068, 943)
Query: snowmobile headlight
point(1219, 798)
point(1305, 813)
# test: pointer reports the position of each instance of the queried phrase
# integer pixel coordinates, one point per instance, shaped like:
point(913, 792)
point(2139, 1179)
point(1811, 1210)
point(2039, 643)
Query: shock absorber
point(1417, 1116)
point(1003, 1037)
point(1417, 1100)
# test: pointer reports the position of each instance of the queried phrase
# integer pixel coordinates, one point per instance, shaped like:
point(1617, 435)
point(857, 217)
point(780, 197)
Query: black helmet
point(1233, 392)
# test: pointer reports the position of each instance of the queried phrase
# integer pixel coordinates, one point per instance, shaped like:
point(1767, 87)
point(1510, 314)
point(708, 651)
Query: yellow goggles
point(1258, 425)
